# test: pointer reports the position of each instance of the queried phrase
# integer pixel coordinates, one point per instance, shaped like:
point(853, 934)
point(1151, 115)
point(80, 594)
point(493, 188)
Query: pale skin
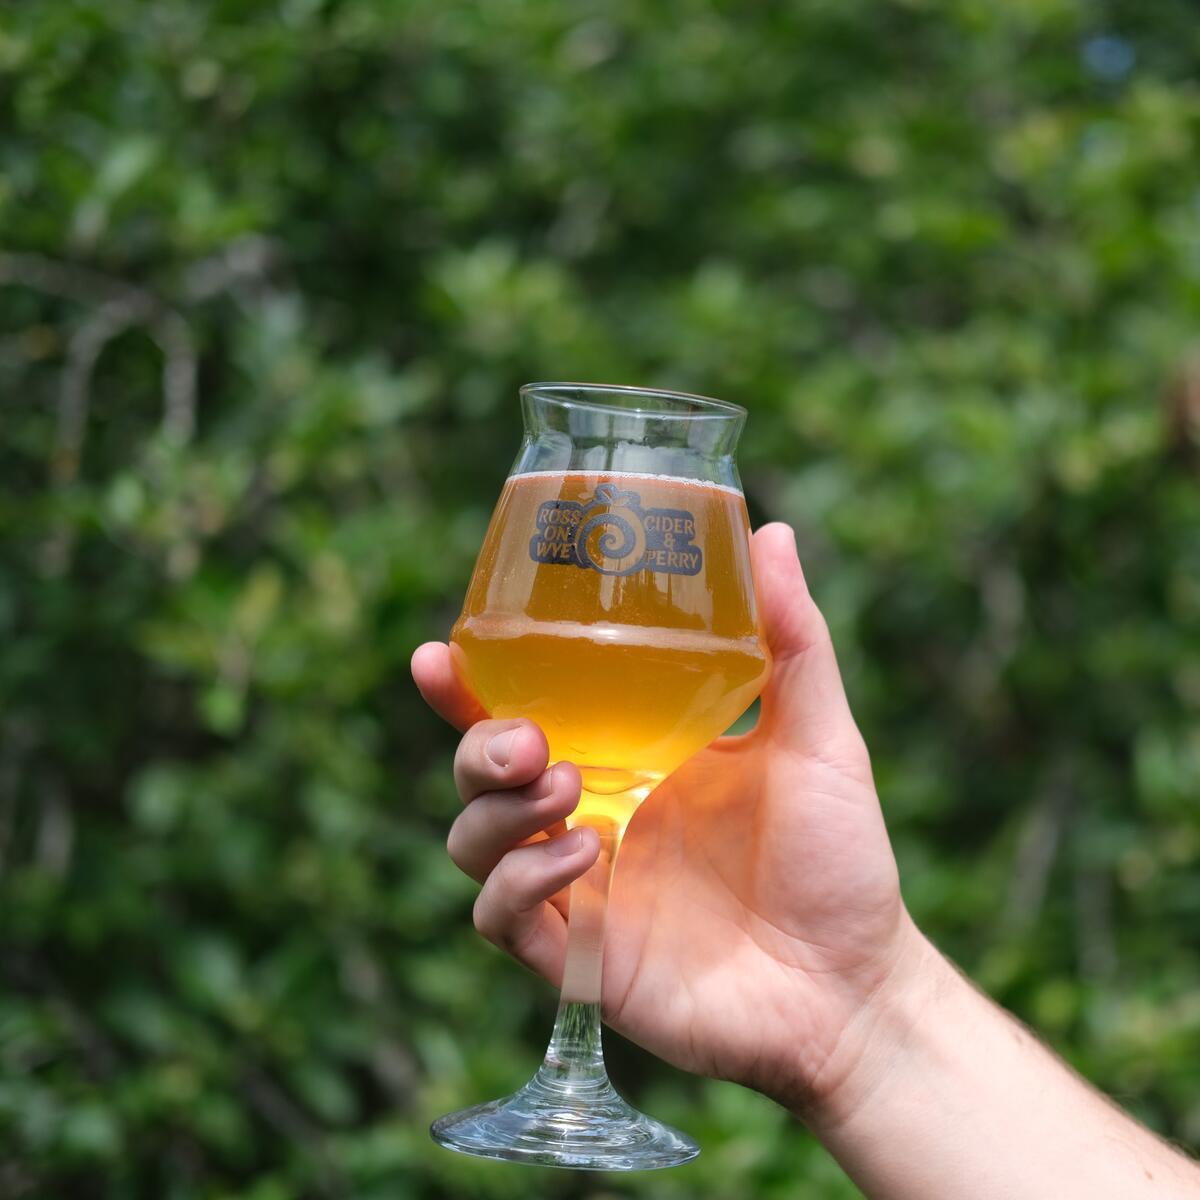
point(757, 933)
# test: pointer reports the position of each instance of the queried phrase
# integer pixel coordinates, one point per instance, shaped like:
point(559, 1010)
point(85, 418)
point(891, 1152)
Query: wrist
point(883, 1031)
point(941, 1093)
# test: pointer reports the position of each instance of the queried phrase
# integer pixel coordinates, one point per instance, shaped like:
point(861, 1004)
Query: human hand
point(756, 930)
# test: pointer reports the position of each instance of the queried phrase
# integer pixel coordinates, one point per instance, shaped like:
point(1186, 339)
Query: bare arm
point(955, 1098)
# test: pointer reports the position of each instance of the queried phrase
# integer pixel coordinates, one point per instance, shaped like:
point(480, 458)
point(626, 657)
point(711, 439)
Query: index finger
point(441, 688)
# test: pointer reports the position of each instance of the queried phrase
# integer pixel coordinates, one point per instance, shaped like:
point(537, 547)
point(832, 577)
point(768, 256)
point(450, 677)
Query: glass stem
point(575, 1057)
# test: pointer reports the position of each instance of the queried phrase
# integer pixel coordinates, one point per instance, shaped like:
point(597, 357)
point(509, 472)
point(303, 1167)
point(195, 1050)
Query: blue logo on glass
point(612, 533)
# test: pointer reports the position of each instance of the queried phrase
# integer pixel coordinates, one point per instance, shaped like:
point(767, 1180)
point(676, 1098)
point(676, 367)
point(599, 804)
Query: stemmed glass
point(613, 604)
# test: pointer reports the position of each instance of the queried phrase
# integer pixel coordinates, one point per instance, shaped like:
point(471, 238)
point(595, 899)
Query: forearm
point(955, 1099)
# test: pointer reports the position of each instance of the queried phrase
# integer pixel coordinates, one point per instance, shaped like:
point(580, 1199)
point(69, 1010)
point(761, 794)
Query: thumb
point(804, 704)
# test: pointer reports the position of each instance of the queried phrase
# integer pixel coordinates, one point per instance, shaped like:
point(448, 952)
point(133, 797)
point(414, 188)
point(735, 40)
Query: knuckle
point(498, 927)
point(454, 845)
point(463, 751)
point(469, 762)
point(480, 917)
point(503, 879)
point(487, 920)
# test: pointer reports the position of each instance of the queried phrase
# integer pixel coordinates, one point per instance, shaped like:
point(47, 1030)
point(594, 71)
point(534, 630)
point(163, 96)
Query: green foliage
point(271, 274)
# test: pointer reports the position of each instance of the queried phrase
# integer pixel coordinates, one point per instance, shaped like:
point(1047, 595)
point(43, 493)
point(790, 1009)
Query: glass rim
point(710, 408)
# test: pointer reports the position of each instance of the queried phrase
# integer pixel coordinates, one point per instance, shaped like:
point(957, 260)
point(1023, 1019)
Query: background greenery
point(270, 276)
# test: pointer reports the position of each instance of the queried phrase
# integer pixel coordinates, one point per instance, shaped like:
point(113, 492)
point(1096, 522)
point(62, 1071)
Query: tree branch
point(1038, 847)
point(118, 306)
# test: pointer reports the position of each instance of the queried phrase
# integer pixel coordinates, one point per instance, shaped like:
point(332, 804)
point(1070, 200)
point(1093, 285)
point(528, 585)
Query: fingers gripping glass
point(613, 604)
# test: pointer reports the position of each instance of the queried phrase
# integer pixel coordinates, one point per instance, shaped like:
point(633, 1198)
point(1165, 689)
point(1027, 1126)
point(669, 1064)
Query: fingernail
point(568, 844)
point(499, 748)
point(545, 785)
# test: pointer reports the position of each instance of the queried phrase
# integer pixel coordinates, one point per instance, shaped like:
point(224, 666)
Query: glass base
point(585, 1126)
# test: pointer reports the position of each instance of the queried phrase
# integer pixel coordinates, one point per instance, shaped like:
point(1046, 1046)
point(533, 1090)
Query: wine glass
point(613, 604)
